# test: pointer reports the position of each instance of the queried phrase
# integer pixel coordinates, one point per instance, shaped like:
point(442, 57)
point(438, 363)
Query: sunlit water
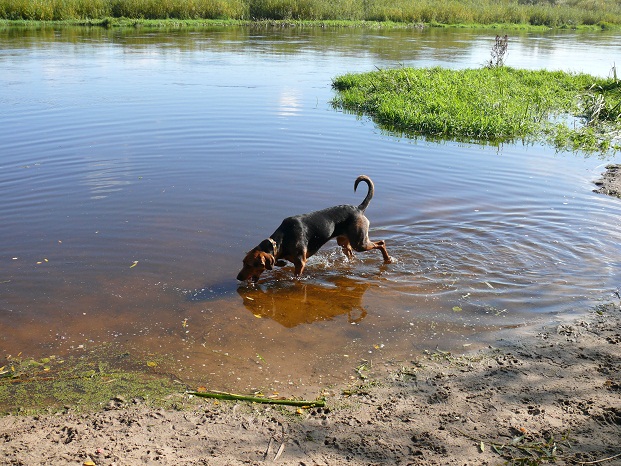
point(137, 168)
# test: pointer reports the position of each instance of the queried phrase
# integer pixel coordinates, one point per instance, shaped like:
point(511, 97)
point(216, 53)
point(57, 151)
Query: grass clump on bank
point(550, 13)
point(490, 105)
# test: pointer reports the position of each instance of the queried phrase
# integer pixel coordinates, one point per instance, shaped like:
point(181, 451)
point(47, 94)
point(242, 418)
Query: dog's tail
point(367, 199)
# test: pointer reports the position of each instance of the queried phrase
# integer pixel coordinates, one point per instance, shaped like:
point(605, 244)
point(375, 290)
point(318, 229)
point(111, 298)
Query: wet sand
point(554, 392)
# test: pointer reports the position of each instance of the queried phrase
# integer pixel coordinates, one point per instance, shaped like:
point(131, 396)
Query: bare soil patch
point(610, 182)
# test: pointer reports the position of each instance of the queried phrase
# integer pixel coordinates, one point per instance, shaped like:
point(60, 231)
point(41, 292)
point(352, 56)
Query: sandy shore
point(556, 393)
point(551, 396)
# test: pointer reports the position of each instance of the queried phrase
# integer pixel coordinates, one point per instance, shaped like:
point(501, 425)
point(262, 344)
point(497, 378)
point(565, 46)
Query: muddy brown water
point(137, 167)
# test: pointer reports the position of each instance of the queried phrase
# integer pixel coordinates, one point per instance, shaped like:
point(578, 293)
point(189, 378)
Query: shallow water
point(137, 167)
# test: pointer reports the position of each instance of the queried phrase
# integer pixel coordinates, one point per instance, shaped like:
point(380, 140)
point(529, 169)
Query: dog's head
point(255, 263)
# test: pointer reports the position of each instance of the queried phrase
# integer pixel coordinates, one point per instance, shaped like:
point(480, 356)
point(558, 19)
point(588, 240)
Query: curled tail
point(369, 183)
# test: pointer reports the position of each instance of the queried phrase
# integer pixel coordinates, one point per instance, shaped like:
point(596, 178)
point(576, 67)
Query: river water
point(137, 167)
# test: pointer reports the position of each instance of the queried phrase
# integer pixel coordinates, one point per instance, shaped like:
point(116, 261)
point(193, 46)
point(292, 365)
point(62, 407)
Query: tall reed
point(534, 12)
point(54, 10)
point(178, 9)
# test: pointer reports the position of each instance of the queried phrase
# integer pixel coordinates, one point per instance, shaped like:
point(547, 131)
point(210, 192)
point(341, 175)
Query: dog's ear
point(268, 261)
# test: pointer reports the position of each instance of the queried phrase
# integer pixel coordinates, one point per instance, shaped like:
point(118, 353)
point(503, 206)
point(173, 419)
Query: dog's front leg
point(300, 264)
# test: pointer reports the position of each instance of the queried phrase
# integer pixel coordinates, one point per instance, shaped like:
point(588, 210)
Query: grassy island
point(491, 104)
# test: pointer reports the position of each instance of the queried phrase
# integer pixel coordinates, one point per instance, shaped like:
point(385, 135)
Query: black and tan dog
point(299, 237)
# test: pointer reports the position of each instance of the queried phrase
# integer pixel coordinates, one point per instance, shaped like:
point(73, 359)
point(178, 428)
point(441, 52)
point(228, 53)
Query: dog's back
point(313, 230)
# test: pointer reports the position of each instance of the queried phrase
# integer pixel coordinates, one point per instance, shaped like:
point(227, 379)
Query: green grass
point(489, 105)
point(83, 383)
point(550, 13)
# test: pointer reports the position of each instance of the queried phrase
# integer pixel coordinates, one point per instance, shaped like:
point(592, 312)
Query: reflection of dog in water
point(299, 237)
point(293, 304)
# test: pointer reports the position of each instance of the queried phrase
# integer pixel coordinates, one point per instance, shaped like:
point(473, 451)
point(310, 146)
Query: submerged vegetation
point(93, 380)
point(550, 13)
point(492, 104)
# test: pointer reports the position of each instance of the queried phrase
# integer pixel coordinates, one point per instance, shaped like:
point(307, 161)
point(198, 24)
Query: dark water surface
point(137, 167)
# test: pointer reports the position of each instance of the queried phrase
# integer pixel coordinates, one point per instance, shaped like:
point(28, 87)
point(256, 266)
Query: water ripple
point(136, 172)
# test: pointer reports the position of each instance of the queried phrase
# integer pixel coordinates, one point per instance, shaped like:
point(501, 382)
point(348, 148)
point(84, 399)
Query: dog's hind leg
point(381, 245)
point(359, 239)
point(369, 245)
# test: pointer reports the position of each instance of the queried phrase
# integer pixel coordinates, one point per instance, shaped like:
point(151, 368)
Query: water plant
point(489, 105)
point(499, 52)
point(83, 382)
